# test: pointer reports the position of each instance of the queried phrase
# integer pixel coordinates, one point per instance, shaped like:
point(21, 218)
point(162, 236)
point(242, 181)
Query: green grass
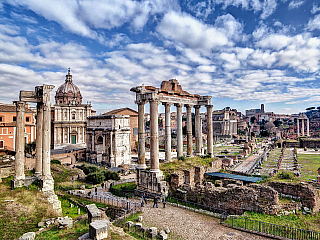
point(126, 186)
point(70, 211)
point(308, 222)
point(310, 163)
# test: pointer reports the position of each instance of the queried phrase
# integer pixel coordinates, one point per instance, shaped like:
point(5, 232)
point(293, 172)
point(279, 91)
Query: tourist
point(142, 201)
point(155, 201)
point(102, 185)
point(144, 198)
point(96, 190)
point(164, 202)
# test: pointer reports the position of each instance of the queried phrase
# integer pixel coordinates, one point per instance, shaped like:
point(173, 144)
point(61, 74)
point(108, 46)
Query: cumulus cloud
point(314, 23)
point(187, 30)
point(315, 8)
point(295, 4)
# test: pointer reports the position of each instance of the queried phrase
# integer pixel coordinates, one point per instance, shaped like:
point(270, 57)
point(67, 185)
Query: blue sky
point(240, 52)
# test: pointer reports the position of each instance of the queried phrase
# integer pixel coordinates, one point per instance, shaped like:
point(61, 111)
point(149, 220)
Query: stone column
point(189, 131)
point(179, 131)
point(298, 128)
point(38, 168)
point(308, 132)
point(154, 140)
point(19, 158)
point(104, 146)
point(112, 163)
point(302, 127)
point(209, 130)
point(141, 137)
point(46, 172)
point(167, 132)
point(92, 141)
point(198, 130)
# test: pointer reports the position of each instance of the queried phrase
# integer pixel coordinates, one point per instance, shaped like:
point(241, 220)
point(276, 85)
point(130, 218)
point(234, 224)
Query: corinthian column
point(19, 158)
point(189, 131)
point(154, 140)
point(209, 130)
point(179, 131)
point(302, 127)
point(141, 137)
point(46, 172)
point(167, 132)
point(308, 132)
point(298, 128)
point(38, 168)
point(198, 130)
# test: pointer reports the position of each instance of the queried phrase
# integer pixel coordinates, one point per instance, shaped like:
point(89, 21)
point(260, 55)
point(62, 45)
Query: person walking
point(144, 198)
point(155, 201)
point(142, 201)
point(102, 185)
point(96, 190)
point(164, 202)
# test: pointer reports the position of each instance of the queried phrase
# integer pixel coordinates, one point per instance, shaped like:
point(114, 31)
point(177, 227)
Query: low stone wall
point(234, 199)
point(308, 194)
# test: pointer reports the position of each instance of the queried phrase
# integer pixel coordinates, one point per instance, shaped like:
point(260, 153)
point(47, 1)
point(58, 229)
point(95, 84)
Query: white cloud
point(186, 30)
point(315, 8)
point(269, 6)
point(314, 23)
point(295, 4)
point(274, 42)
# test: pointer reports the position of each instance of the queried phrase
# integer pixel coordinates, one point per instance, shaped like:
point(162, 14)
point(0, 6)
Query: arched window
point(100, 140)
point(73, 116)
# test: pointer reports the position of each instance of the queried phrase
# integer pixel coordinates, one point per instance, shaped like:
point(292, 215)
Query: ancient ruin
point(302, 117)
point(169, 93)
point(41, 96)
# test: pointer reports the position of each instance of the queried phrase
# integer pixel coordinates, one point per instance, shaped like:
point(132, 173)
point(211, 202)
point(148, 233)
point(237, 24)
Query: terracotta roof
point(12, 108)
point(118, 111)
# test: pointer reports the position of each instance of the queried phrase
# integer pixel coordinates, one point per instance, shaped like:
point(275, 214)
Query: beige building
point(224, 123)
point(70, 116)
point(108, 140)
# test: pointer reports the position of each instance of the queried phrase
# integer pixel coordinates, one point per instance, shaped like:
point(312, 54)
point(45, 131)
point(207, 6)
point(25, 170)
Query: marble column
point(38, 168)
point(198, 130)
point(154, 140)
point(112, 163)
point(189, 131)
point(167, 132)
point(141, 137)
point(179, 131)
point(19, 158)
point(298, 128)
point(46, 172)
point(302, 127)
point(308, 131)
point(104, 146)
point(209, 130)
point(92, 141)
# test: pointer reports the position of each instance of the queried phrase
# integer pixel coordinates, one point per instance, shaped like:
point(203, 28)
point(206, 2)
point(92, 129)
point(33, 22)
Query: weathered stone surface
point(65, 223)
point(140, 218)
point(153, 230)
point(93, 213)
point(162, 235)
point(167, 230)
point(28, 236)
point(98, 229)
point(40, 224)
point(129, 223)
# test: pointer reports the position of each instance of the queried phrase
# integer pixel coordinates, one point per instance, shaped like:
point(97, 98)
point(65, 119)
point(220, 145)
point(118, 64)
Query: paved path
point(248, 163)
point(185, 224)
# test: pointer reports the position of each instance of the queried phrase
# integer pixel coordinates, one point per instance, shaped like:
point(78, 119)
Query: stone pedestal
point(47, 185)
point(151, 182)
point(99, 230)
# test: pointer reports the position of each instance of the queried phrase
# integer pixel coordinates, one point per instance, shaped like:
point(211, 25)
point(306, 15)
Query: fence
point(271, 229)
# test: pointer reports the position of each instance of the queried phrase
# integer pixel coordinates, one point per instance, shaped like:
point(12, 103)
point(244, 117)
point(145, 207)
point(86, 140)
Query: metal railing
point(271, 229)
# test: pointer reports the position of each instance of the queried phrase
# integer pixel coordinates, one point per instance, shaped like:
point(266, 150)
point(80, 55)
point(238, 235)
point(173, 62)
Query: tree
point(268, 126)
point(253, 119)
point(95, 178)
point(277, 122)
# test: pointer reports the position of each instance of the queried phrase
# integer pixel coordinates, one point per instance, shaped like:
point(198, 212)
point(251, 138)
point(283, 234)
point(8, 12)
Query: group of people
point(156, 200)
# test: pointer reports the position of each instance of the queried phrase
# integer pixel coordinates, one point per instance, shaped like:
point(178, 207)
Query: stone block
point(98, 229)
point(28, 236)
point(93, 213)
point(167, 230)
point(153, 231)
point(66, 223)
point(129, 224)
point(140, 218)
point(162, 235)
point(40, 224)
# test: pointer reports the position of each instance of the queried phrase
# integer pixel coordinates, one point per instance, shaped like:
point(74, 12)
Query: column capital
point(197, 106)
point(188, 106)
point(21, 106)
point(209, 106)
point(140, 102)
point(46, 106)
point(178, 104)
point(154, 101)
point(167, 104)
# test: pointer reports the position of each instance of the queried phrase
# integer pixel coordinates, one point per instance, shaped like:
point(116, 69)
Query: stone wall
point(308, 194)
point(194, 175)
point(234, 199)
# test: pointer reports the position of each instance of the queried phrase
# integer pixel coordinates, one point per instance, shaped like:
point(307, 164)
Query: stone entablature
point(108, 139)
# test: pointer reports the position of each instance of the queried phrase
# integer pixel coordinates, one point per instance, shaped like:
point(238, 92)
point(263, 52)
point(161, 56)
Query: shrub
point(181, 158)
point(95, 177)
point(110, 175)
point(285, 175)
point(54, 161)
point(88, 169)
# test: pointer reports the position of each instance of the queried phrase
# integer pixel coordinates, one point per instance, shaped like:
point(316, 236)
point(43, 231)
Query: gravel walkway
point(185, 224)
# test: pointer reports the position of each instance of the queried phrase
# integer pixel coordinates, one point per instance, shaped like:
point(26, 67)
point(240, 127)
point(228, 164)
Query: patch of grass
point(70, 211)
point(310, 163)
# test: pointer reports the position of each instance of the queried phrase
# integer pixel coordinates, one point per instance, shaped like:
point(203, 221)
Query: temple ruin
point(170, 93)
point(41, 96)
point(302, 117)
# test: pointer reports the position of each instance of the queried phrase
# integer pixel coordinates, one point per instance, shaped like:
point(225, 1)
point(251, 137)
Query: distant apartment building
point(8, 126)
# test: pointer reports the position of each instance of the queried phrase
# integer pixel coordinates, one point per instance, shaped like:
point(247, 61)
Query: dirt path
point(248, 163)
point(185, 224)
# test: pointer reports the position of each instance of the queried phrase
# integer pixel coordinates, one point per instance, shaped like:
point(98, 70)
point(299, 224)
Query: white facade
point(108, 140)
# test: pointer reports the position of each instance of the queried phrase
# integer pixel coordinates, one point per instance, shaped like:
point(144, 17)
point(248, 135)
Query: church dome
point(68, 93)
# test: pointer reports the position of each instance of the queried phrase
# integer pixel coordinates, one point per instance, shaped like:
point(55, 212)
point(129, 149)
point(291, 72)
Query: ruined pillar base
point(47, 185)
point(52, 198)
point(27, 181)
point(151, 183)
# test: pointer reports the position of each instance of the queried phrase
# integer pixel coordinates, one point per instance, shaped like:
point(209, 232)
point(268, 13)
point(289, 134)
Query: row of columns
point(302, 126)
point(154, 138)
point(42, 168)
